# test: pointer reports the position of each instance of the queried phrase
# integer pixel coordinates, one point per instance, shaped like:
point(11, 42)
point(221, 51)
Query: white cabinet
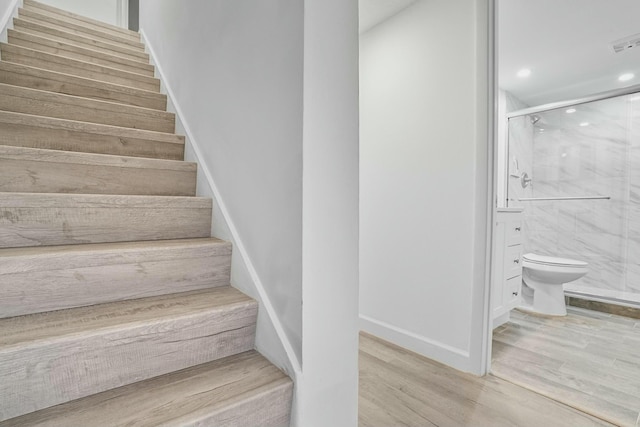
point(506, 275)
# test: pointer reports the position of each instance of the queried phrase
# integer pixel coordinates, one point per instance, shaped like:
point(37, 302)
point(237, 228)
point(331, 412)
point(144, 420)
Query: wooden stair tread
point(206, 394)
point(67, 50)
point(40, 59)
point(121, 248)
point(70, 125)
point(79, 29)
point(52, 81)
point(58, 156)
point(46, 278)
point(59, 356)
point(25, 200)
point(52, 104)
point(50, 31)
point(27, 130)
point(73, 17)
point(116, 306)
point(34, 170)
point(51, 219)
point(56, 325)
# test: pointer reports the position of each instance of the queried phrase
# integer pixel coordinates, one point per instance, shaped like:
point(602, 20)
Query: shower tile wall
point(598, 159)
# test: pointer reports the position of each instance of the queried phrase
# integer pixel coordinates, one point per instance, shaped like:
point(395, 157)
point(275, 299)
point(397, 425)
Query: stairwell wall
point(266, 93)
point(8, 9)
point(235, 73)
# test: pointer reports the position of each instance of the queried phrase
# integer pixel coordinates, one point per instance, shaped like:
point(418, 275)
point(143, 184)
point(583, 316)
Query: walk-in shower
point(575, 169)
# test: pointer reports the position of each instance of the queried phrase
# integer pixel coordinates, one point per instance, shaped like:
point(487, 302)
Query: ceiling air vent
point(626, 43)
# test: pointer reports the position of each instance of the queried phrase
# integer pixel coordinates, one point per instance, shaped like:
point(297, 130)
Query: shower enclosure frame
point(601, 96)
point(629, 90)
point(496, 169)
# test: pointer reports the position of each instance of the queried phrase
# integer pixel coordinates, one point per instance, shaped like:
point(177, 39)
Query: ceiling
point(373, 12)
point(566, 45)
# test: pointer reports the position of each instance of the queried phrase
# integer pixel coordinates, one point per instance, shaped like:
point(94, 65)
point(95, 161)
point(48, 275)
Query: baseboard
point(424, 346)
point(6, 20)
point(603, 306)
point(238, 246)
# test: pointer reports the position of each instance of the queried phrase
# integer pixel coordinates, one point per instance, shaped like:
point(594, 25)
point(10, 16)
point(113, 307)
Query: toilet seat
point(552, 261)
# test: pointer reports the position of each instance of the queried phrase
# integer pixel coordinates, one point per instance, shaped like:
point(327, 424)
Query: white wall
point(8, 9)
point(108, 11)
point(283, 170)
point(330, 215)
point(423, 178)
point(235, 69)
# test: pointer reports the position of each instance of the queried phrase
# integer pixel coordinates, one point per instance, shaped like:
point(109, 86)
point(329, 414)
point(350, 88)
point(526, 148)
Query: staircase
point(115, 301)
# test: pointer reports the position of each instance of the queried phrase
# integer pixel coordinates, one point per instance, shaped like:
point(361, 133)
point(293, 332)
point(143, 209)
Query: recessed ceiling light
point(541, 129)
point(583, 124)
point(571, 110)
point(525, 72)
point(626, 77)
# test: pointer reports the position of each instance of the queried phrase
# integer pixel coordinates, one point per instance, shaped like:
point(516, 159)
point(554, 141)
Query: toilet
point(542, 280)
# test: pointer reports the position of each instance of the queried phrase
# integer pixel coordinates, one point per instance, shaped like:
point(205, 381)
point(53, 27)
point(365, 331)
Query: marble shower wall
point(594, 151)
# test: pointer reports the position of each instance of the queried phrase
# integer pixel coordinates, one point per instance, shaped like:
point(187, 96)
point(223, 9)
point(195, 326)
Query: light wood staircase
point(115, 301)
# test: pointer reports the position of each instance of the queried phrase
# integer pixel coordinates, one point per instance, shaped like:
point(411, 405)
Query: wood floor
point(401, 388)
point(588, 360)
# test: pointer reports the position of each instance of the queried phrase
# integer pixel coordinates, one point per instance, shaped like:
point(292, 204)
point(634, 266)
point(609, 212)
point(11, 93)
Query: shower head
point(534, 119)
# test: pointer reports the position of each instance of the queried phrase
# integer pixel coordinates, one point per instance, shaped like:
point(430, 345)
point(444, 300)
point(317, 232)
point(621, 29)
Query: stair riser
point(29, 176)
point(77, 139)
point(60, 370)
point(33, 78)
point(81, 54)
point(45, 220)
point(55, 281)
point(74, 67)
point(65, 107)
point(80, 30)
point(64, 37)
point(242, 390)
point(73, 18)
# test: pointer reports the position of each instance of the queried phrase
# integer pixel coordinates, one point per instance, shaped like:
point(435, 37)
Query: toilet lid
point(551, 260)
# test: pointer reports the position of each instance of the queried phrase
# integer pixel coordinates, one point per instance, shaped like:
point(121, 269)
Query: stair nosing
point(97, 159)
point(88, 82)
point(89, 200)
point(33, 252)
point(125, 132)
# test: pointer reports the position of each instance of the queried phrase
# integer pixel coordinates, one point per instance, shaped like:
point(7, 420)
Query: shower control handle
point(516, 261)
point(515, 294)
point(518, 228)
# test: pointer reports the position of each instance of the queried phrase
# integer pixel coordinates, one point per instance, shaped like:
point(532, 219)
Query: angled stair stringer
point(115, 301)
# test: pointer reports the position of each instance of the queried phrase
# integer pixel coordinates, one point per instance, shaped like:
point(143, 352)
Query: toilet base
point(543, 298)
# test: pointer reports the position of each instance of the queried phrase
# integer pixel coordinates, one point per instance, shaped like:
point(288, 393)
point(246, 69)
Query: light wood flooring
point(401, 388)
point(588, 360)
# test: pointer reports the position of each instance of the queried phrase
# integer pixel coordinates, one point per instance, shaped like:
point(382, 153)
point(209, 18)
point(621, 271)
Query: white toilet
point(543, 277)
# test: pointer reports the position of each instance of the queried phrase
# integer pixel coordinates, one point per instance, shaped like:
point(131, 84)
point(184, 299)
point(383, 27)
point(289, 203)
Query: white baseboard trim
point(238, 245)
point(443, 353)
